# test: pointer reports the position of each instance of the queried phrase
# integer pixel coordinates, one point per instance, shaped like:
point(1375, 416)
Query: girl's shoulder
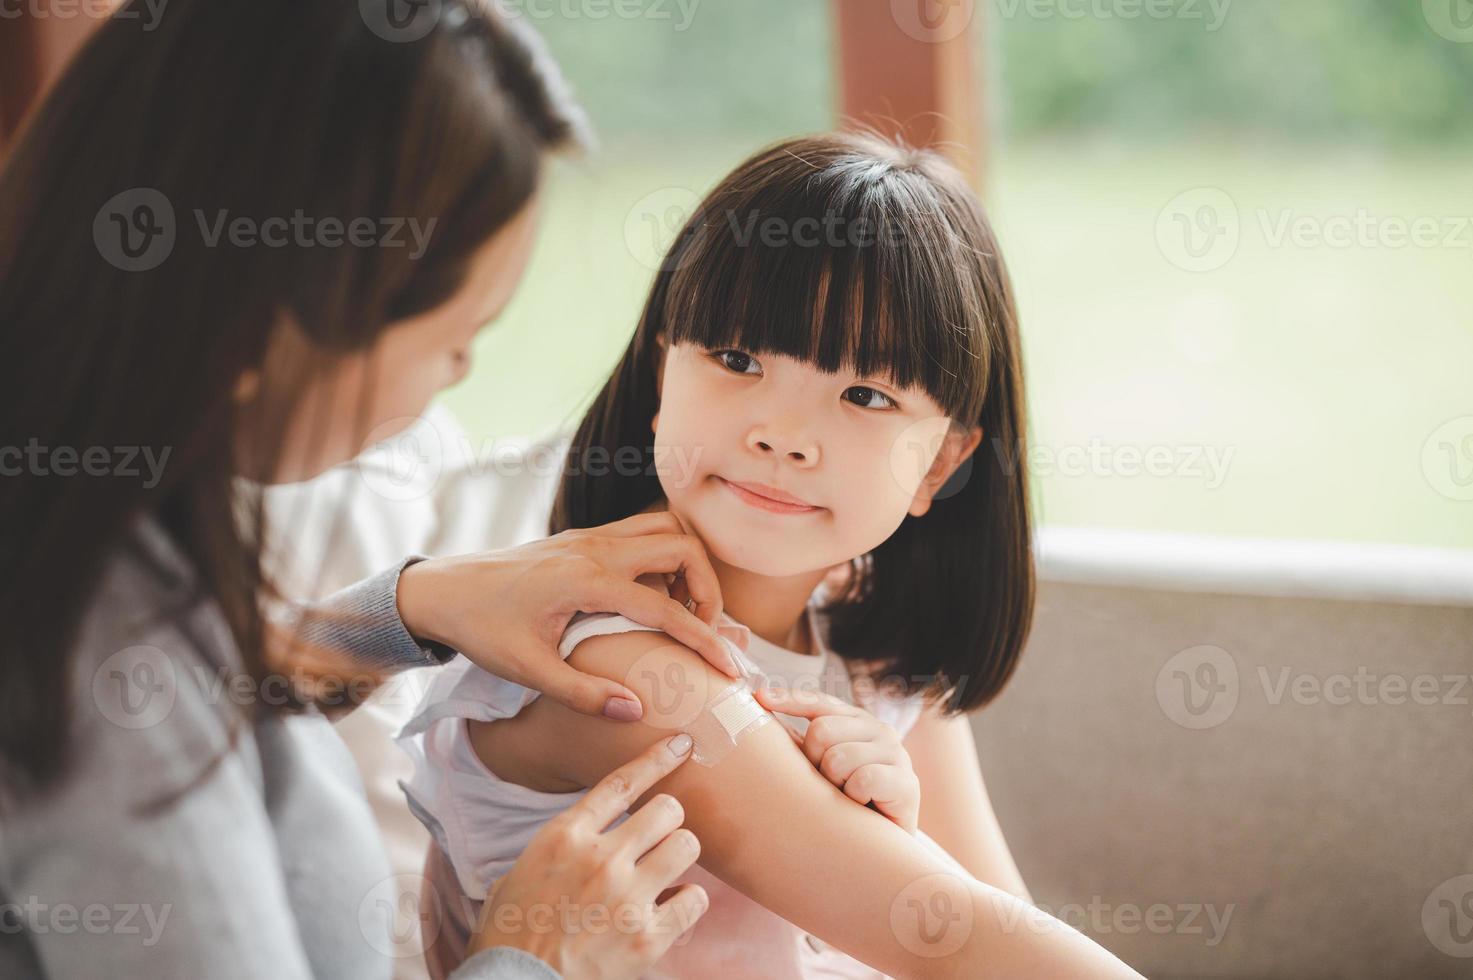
point(884, 697)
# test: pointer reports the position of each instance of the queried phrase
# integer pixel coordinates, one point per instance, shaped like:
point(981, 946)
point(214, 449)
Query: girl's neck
point(771, 607)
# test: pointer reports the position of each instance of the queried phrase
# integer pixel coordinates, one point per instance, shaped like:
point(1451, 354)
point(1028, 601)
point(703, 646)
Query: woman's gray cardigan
point(268, 867)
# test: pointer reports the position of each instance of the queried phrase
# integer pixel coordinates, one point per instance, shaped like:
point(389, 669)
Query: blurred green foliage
point(745, 70)
point(1369, 70)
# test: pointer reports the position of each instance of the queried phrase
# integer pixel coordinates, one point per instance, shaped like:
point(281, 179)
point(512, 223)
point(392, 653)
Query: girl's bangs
point(879, 292)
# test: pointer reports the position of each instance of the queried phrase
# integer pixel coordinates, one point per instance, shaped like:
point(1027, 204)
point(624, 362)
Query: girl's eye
point(868, 397)
point(735, 360)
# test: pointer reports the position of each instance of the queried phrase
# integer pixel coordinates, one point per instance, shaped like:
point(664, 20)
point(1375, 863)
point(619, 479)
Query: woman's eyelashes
point(740, 362)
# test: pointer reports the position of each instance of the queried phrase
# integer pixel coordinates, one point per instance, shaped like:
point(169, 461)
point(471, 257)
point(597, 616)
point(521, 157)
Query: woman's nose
point(791, 444)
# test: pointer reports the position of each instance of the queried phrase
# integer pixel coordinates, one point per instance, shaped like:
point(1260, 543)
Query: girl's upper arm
point(775, 829)
point(955, 809)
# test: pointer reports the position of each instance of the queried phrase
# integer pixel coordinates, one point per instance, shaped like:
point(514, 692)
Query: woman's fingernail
point(680, 744)
point(623, 709)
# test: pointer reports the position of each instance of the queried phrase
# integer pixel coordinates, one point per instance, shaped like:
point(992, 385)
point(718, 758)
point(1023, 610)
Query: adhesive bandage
point(730, 716)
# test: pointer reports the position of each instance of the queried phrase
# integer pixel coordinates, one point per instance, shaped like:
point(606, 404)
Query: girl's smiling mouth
point(770, 499)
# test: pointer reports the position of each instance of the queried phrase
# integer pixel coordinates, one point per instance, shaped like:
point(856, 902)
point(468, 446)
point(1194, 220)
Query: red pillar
point(906, 68)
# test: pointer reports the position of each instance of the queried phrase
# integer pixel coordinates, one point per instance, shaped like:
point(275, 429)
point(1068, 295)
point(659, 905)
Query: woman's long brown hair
point(883, 263)
point(262, 109)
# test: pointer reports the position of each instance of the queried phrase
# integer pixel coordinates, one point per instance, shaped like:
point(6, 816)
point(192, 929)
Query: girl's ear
point(956, 448)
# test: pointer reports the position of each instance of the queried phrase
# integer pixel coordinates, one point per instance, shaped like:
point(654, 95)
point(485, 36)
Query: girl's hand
point(617, 874)
point(506, 610)
point(855, 751)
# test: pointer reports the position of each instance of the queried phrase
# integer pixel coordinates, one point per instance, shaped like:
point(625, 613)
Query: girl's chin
point(759, 553)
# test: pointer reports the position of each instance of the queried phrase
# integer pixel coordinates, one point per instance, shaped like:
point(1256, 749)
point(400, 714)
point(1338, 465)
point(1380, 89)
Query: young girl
point(829, 341)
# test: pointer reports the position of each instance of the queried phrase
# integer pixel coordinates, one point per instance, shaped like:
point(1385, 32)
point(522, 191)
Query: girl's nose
point(794, 446)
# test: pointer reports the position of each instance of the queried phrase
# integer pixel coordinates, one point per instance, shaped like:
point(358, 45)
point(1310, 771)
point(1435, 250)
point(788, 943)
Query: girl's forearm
point(775, 829)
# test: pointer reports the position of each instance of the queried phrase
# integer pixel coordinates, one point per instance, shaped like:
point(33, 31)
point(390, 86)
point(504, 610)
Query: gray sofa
point(1246, 759)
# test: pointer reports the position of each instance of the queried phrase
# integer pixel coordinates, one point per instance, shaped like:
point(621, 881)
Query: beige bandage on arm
point(729, 718)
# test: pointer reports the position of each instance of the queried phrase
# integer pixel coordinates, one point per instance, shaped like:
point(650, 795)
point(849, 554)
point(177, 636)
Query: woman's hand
point(855, 751)
point(506, 610)
point(585, 900)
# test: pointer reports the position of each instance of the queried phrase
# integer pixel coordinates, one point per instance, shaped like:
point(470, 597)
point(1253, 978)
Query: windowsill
point(1252, 566)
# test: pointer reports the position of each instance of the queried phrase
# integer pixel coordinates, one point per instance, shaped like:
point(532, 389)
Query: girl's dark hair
point(877, 258)
point(261, 109)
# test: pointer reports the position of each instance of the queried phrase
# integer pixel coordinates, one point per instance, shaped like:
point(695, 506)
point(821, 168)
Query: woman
point(203, 264)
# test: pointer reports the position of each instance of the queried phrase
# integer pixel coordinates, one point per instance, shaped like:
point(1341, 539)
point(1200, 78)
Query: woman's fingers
point(675, 553)
point(670, 858)
point(584, 693)
point(613, 794)
point(656, 522)
point(660, 542)
point(610, 593)
point(648, 825)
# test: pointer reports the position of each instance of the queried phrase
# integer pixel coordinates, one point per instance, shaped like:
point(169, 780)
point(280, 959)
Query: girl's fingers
point(882, 785)
point(805, 704)
point(610, 593)
point(840, 763)
point(820, 739)
point(892, 791)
